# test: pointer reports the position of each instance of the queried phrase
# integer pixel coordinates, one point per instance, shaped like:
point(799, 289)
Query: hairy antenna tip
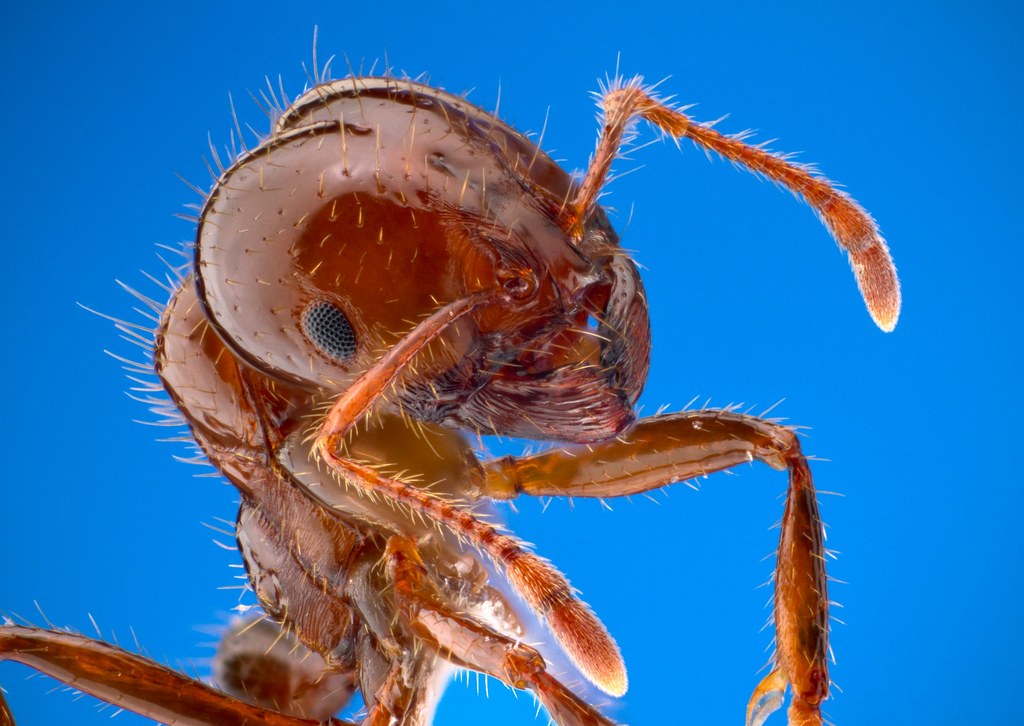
point(589, 646)
point(886, 319)
point(878, 283)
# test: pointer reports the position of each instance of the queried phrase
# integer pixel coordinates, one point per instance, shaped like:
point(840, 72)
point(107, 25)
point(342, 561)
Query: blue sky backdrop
point(915, 108)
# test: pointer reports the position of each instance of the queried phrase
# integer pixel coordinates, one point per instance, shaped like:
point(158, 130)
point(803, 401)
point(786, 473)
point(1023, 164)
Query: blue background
point(916, 112)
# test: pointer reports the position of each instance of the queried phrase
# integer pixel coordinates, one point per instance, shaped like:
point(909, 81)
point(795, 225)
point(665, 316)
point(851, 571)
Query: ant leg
point(466, 642)
point(132, 682)
point(6, 717)
point(409, 691)
point(392, 699)
point(548, 592)
point(675, 447)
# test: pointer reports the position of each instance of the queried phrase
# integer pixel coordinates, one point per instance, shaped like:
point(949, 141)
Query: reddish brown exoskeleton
point(390, 270)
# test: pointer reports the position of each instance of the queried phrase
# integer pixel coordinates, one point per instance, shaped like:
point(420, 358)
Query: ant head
point(373, 203)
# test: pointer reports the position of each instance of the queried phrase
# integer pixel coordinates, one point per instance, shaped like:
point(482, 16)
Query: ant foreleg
point(408, 692)
point(471, 644)
point(6, 717)
point(675, 447)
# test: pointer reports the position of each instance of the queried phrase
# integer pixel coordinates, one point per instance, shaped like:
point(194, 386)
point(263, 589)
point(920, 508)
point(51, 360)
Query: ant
point(390, 272)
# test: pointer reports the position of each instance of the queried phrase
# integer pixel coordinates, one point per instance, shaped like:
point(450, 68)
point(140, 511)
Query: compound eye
point(325, 324)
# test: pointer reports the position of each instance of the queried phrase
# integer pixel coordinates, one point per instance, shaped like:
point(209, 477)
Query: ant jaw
point(575, 404)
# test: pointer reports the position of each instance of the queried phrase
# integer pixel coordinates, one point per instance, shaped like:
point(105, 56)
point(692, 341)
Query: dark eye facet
point(326, 325)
